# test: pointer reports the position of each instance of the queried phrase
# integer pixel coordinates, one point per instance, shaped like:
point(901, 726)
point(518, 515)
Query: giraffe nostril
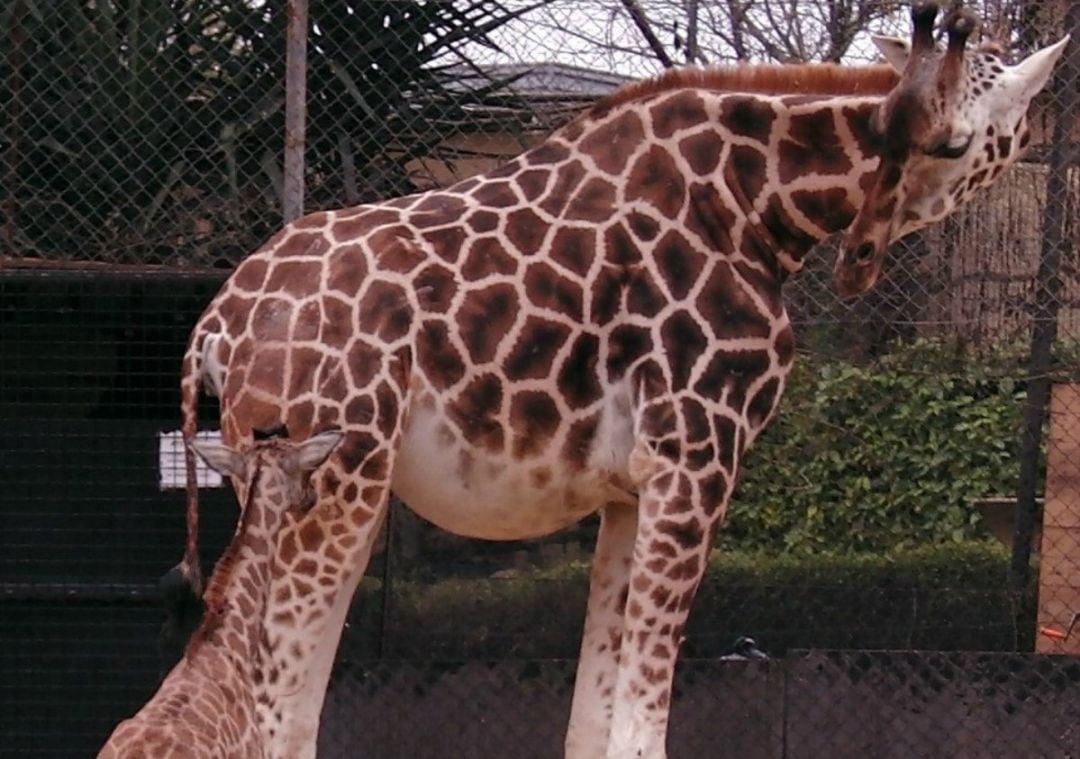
point(863, 254)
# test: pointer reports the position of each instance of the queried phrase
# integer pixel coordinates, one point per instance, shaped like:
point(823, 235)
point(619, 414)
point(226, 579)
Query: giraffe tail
point(182, 586)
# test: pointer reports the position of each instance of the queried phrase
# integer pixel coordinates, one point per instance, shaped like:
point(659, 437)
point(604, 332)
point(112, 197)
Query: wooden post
point(1059, 569)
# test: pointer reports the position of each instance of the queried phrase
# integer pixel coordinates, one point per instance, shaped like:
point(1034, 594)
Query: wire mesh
point(142, 157)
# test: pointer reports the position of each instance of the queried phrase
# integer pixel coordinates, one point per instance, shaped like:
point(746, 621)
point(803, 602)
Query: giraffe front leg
point(590, 715)
point(684, 487)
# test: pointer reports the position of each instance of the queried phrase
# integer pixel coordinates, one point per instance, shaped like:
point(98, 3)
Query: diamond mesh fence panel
point(917, 492)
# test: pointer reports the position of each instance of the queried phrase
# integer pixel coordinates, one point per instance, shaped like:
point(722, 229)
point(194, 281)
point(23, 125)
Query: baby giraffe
point(206, 706)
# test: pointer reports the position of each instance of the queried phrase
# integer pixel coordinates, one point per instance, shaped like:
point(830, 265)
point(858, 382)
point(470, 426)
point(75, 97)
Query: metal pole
point(18, 39)
point(1048, 285)
point(295, 110)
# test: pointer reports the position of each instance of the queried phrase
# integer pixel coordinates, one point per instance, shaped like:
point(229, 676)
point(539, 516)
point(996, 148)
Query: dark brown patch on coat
point(495, 194)
point(679, 264)
point(306, 325)
point(364, 361)
point(475, 411)
point(747, 117)
point(579, 440)
point(435, 288)
point(574, 248)
point(702, 151)
point(605, 296)
point(446, 243)
point(710, 218)
point(532, 183)
point(270, 319)
point(304, 362)
point(859, 123)
point(526, 231)
point(436, 355)
point(486, 257)
point(684, 342)
point(734, 369)
point(745, 174)
point(549, 152)
point(594, 202)
point(388, 409)
point(534, 352)
point(681, 111)
point(655, 179)
point(643, 296)
point(567, 178)
point(360, 410)
point(547, 288)
point(628, 343)
point(829, 209)
point(644, 227)
point(250, 274)
point(348, 269)
point(812, 145)
point(384, 311)
point(611, 143)
point(619, 247)
point(763, 402)
point(695, 420)
point(370, 217)
point(534, 419)
point(728, 309)
point(687, 535)
point(303, 244)
point(485, 318)
point(578, 380)
point(337, 323)
point(483, 221)
point(436, 209)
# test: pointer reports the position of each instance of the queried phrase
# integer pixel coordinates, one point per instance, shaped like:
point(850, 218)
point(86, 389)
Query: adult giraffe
point(595, 326)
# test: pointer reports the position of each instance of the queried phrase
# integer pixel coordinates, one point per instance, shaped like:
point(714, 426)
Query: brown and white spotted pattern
point(595, 326)
point(205, 708)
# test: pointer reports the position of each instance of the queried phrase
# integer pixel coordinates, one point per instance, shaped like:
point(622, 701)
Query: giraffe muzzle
point(857, 268)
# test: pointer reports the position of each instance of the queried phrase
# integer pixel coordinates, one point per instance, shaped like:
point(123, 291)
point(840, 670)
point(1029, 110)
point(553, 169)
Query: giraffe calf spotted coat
point(205, 708)
point(596, 326)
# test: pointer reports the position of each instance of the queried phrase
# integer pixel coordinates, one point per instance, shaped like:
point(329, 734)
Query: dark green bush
point(951, 597)
point(871, 457)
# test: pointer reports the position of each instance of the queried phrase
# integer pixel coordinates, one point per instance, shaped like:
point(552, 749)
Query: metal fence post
point(1047, 302)
point(18, 39)
point(295, 110)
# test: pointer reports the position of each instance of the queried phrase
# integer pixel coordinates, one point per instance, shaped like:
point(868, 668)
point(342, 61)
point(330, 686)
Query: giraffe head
point(955, 120)
point(274, 468)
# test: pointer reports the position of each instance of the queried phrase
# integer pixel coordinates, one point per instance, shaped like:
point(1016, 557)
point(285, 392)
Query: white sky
point(599, 34)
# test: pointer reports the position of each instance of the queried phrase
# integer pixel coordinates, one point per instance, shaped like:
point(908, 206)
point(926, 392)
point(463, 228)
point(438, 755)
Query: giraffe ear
point(896, 50)
point(315, 450)
point(1030, 75)
point(219, 457)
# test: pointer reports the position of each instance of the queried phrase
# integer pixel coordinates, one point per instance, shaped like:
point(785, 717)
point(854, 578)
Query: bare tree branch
point(643, 25)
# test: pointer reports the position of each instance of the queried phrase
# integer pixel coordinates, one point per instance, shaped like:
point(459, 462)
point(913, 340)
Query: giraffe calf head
point(290, 465)
point(953, 123)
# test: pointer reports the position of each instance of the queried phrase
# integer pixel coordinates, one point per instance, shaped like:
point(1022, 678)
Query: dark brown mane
point(223, 572)
point(771, 79)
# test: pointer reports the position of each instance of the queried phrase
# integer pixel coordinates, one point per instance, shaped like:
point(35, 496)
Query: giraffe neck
point(754, 176)
point(237, 593)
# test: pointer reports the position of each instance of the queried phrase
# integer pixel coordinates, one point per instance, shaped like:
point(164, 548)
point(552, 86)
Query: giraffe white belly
point(472, 493)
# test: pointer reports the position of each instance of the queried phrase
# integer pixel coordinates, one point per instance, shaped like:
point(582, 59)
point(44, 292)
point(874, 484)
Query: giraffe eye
point(953, 147)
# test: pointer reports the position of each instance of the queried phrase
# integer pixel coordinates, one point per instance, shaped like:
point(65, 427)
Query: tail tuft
point(181, 594)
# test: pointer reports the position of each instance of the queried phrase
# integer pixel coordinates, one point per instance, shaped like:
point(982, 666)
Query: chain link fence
point(918, 490)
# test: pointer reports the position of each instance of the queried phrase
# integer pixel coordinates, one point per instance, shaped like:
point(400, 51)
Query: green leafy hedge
point(865, 458)
point(950, 597)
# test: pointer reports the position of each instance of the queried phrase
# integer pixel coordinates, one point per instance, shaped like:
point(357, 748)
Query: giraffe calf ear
point(1030, 75)
point(219, 457)
point(896, 50)
point(315, 450)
